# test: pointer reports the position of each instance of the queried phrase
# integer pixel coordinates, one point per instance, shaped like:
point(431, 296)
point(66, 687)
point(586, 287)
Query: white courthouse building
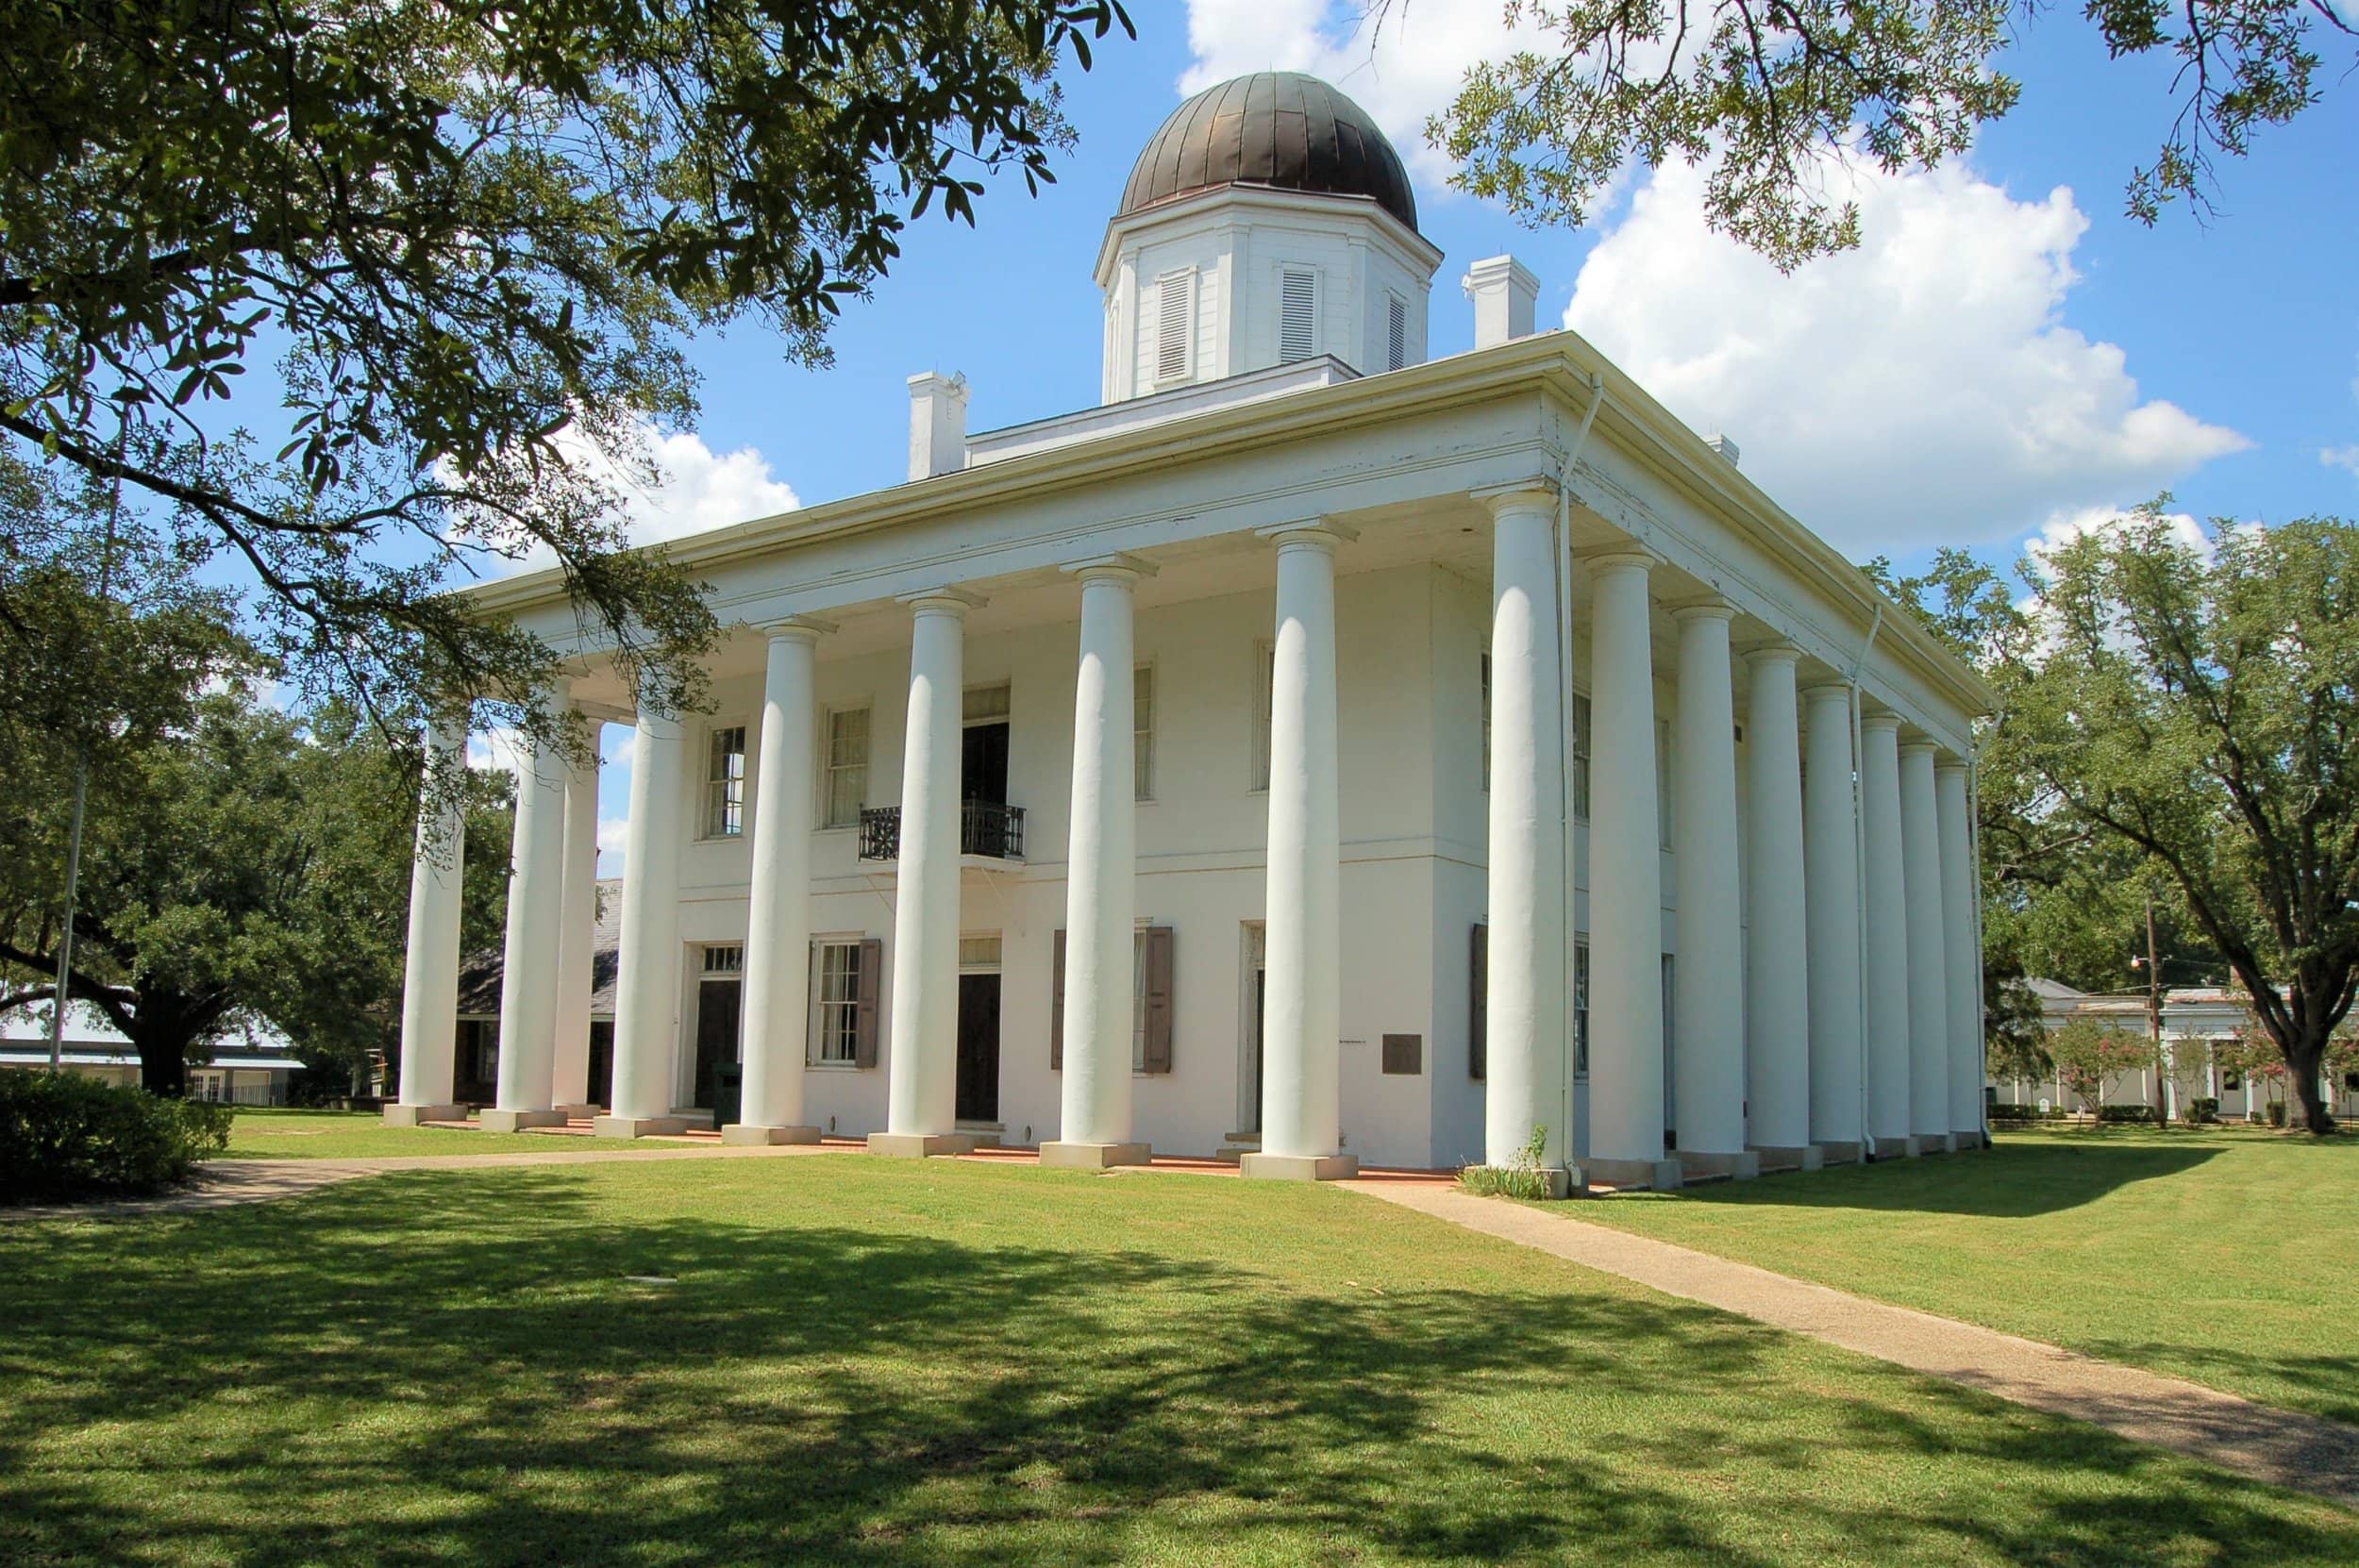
point(1316, 751)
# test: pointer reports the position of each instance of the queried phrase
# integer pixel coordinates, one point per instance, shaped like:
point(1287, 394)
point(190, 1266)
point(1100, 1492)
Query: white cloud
point(2341, 457)
point(696, 488)
point(1923, 388)
point(500, 750)
point(611, 832)
point(1401, 61)
point(2064, 527)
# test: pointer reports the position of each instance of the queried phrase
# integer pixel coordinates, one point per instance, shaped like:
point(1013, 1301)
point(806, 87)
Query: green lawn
point(866, 1362)
point(275, 1134)
point(2226, 1257)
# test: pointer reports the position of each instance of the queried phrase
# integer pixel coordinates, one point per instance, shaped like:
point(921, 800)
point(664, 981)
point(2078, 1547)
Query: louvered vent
point(1397, 340)
point(1171, 327)
point(1297, 315)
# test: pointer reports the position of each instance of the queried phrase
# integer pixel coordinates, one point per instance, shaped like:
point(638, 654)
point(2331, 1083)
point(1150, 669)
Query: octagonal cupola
point(1269, 222)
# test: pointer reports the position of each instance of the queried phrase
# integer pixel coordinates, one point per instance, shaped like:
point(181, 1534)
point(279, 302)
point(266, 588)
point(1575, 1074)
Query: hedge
point(63, 1136)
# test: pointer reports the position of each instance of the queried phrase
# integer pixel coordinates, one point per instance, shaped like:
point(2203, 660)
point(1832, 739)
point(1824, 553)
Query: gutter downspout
point(1982, 992)
point(1859, 851)
point(1564, 729)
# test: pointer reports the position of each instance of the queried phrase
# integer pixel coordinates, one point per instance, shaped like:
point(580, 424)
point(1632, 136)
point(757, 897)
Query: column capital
point(1775, 653)
point(1622, 559)
point(1947, 763)
point(1537, 493)
point(1912, 742)
point(1704, 609)
point(1311, 533)
point(1828, 690)
point(798, 629)
point(945, 600)
point(1118, 566)
point(1878, 722)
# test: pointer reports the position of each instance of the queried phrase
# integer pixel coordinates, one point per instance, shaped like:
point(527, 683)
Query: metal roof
point(1276, 128)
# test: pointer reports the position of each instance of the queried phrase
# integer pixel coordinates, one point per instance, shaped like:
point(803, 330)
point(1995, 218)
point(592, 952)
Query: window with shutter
point(1581, 1007)
point(1580, 758)
point(1154, 999)
point(1297, 314)
point(1142, 732)
point(1175, 324)
point(871, 993)
point(1056, 1004)
point(1264, 694)
point(1396, 332)
point(1479, 987)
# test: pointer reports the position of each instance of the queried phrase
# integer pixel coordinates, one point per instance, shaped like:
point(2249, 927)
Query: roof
point(86, 1029)
point(19, 1055)
point(480, 974)
point(1279, 129)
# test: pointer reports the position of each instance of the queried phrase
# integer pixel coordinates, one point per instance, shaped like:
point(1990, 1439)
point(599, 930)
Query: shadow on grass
point(461, 1367)
point(2008, 1181)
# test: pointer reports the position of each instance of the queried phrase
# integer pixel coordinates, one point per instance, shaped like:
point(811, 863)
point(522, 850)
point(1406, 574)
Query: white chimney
point(1726, 447)
point(937, 424)
point(1505, 295)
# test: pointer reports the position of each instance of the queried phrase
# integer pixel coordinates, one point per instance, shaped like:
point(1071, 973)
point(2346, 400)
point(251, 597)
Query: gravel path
point(2283, 1447)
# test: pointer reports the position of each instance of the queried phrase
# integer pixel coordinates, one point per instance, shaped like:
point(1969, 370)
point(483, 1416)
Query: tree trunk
point(164, 1068)
point(2303, 1061)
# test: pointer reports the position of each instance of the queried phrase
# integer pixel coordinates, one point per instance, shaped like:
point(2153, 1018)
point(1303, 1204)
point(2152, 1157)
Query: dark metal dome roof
point(1276, 128)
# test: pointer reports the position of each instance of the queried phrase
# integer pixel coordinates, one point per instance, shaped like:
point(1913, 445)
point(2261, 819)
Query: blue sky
point(2007, 355)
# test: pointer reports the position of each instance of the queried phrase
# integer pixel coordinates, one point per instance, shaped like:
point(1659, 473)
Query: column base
point(1656, 1175)
point(581, 1112)
point(1092, 1156)
point(637, 1127)
point(1970, 1143)
point(1805, 1156)
point(1895, 1149)
point(919, 1145)
point(1697, 1165)
point(692, 1116)
point(517, 1120)
point(1841, 1151)
point(1300, 1167)
point(742, 1133)
point(1935, 1143)
point(418, 1115)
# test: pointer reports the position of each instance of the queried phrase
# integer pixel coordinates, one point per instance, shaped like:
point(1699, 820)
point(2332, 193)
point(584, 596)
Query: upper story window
point(845, 788)
point(1175, 325)
point(1297, 314)
point(1264, 694)
point(1396, 332)
point(1142, 731)
point(1581, 757)
point(1486, 721)
point(725, 784)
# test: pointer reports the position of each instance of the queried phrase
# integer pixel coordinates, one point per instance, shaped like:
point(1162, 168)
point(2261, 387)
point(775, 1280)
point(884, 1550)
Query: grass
point(265, 1133)
point(863, 1361)
point(2223, 1256)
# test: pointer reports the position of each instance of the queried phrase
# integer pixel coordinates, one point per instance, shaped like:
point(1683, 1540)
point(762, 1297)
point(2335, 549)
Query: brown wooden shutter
point(1056, 1005)
point(871, 987)
point(1158, 955)
point(1479, 1023)
point(810, 1041)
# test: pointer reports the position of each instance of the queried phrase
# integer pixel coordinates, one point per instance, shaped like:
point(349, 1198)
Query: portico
point(1334, 763)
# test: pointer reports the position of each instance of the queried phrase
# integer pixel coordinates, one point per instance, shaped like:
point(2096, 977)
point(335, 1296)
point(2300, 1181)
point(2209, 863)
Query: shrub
point(1523, 1179)
point(68, 1137)
point(2126, 1113)
point(2276, 1113)
point(2201, 1111)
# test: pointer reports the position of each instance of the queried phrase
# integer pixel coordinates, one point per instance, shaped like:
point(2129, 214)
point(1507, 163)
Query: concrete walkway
point(2283, 1447)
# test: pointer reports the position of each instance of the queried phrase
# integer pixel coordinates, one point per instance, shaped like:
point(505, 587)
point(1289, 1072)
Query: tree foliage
point(2201, 708)
point(2091, 1055)
point(1775, 97)
point(469, 237)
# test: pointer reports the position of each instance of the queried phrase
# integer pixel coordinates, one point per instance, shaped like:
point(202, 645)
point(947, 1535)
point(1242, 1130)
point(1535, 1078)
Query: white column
point(527, 1058)
point(1777, 916)
point(777, 931)
point(648, 980)
point(1831, 887)
point(1960, 891)
point(1302, 1009)
point(1625, 887)
point(921, 1092)
point(577, 936)
point(1929, 954)
point(1100, 903)
point(429, 976)
point(1884, 912)
point(1708, 1000)
point(1525, 1048)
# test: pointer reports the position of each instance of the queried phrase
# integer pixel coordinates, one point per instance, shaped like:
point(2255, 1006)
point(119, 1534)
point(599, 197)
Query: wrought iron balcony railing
point(986, 828)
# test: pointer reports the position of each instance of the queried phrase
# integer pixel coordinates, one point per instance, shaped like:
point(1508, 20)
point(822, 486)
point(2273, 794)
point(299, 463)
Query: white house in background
point(249, 1066)
point(1316, 751)
point(2196, 1019)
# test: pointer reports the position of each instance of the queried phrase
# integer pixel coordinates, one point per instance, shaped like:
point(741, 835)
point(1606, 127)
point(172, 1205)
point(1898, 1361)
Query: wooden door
point(979, 1047)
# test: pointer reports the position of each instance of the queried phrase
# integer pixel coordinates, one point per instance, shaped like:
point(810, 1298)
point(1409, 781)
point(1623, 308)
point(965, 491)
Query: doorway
point(601, 1085)
point(1252, 1007)
point(719, 1006)
point(978, 1048)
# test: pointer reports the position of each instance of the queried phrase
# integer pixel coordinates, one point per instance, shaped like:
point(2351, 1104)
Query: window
point(847, 767)
point(1175, 325)
point(835, 1002)
point(725, 960)
point(979, 952)
point(725, 784)
point(1264, 694)
point(2231, 1081)
point(1486, 721)
point(1581, 1007)
point(1150, 1000)
point(1138, 1003)
point(1142, 732)
point(1664, 796)
point(984, 705)
point(1297, 314)
point(1396, 332)
point(1580, 758)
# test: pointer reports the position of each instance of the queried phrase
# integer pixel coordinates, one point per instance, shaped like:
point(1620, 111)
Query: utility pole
point(2154, 1020)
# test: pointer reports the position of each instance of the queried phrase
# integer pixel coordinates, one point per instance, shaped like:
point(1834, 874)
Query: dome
point(1277, 129)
